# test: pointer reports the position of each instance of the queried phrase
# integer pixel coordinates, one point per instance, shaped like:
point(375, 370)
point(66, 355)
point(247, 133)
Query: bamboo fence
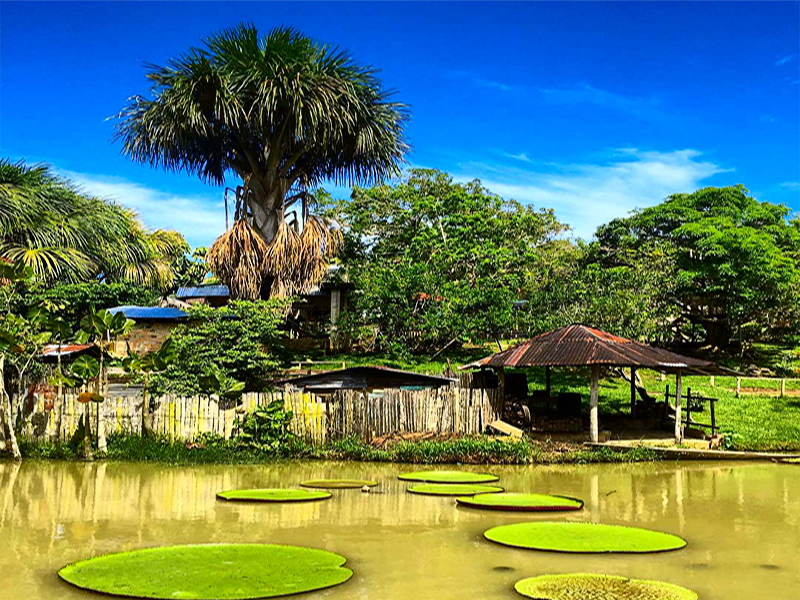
point(315, 418)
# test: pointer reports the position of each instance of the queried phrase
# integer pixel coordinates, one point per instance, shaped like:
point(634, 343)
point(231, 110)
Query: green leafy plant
point(218, 347)
point(266, 427)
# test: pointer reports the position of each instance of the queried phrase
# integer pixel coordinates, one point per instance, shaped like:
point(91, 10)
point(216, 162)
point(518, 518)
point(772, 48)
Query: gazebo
point(581, 346)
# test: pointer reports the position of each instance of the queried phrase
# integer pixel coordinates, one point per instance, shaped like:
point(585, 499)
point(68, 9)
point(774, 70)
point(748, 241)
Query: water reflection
point(742, 523)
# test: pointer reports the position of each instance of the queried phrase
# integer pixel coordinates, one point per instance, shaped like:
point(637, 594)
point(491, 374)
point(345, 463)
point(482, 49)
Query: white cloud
point(588, 195)
point(201, 219)
point(588, 94)
point(785, 60)
point(481, 81)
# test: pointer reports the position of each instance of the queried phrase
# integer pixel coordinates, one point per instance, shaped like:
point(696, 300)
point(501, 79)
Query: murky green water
point(742, 523)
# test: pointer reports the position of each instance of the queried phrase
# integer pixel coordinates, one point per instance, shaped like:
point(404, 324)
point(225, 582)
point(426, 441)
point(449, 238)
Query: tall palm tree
point(64, 235)
point(283, 114)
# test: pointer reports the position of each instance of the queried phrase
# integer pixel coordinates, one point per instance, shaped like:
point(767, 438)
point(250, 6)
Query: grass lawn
point(750, 422)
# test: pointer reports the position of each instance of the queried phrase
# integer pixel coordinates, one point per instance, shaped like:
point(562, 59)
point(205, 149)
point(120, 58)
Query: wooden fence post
point(783, 388)
point(738, 386)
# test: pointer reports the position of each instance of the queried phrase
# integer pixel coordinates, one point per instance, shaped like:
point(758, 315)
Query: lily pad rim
point(470, 503)
point(444, 494)
point(557, 551)
point(313, 496)
point(360, 483)
point(690, 594)
point(340, 565)
point(484, 477)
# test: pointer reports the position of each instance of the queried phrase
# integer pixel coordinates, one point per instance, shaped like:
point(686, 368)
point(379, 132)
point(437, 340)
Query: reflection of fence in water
point(316, 418)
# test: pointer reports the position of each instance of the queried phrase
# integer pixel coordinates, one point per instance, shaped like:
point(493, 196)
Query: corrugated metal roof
point(155, 313)
point(203, 291)
point(360, 378)
point(52, 350)
point(579, 345)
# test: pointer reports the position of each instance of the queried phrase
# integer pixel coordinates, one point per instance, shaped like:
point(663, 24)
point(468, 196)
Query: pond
point(742, 523)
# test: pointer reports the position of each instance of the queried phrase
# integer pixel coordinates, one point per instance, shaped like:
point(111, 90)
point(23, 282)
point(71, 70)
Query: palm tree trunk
point(266, 205)
point(6, 420)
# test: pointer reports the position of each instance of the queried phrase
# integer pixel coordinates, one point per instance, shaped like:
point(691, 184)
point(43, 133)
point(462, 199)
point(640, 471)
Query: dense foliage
point(728, 264)
point(435, 262)
point(76, 299)
point(218, 347)
point(625, 299)
point(64, 235)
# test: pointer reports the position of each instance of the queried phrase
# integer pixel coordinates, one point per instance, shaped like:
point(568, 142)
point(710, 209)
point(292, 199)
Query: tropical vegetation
point(281, 113)
point(66, 236)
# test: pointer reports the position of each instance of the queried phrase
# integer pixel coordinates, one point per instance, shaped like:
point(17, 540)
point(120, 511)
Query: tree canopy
point(437, 262)
point(282, 113)
point(730, 264)
point(64, 235)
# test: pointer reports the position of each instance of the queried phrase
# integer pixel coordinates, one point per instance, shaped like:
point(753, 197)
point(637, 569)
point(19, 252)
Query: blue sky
point(592, 109)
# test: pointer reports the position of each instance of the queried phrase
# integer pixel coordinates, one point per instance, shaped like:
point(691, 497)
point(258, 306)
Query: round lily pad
point(448, 477)
point(583, 537)
point(579, 586)
point(453, 489)
point(338, 484)
point(522, 502)
point(273, 495)
point(211, 571)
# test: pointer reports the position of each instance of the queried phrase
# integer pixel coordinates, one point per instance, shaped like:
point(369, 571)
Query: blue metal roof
point(203, 291)
point(160, 313)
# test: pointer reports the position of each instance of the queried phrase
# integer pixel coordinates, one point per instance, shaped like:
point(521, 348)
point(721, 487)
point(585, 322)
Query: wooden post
point(633, 391)
point(594, 429)
point(783, 388)
point(711, 382)
point(713, 419)
point(738, 386)
point(547, 381)
point(678, 424)
point(501, 383)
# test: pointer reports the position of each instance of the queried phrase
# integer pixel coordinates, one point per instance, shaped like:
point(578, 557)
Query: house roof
point(361, 378)
point(579, 345)
point(51, 352)
point(203, 291)
point(151, 313)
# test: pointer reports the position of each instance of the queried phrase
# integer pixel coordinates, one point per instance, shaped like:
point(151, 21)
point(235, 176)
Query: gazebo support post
point(594, 429)
point(678, 425)
point(547, 381)
point(633, 391)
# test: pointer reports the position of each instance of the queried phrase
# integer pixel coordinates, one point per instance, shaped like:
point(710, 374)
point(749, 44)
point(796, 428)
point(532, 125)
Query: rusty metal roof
point(359, 378)
point(578, 345)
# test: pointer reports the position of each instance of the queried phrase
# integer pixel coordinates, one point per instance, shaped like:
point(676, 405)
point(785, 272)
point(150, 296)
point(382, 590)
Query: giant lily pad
point(522, 502)
point(453, 489)
point(583, 537)
point(448, 477)
point(579, 586)
point(273, 495)
point(336, 484)
point(212, 571)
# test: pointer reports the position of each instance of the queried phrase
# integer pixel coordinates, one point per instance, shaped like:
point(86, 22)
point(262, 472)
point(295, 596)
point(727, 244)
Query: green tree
point(282, 113)
point(22, 337)
point(436, 262)
point(218, 347)
point(731, 265)
point(575, 287)
point(63, 235)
